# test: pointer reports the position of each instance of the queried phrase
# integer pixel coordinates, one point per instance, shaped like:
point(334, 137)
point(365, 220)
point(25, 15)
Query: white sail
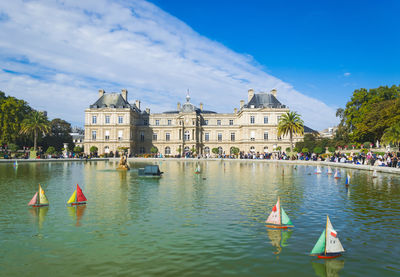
point(275, 217)
point(329, 170)
point(333, 244)
point(375, 174)
point(318, 169)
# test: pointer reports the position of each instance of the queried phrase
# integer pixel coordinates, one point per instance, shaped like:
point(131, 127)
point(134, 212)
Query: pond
point(186, 224)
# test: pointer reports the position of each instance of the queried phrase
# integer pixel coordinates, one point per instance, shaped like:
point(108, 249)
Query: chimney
point(179, 106)
point(148, 110)
point(251, 94)
point(235, 110)
point(124, 93)
point(137, 104)
point(241, 103)
point(201, 106)
point(273, 92)
point(101, 92)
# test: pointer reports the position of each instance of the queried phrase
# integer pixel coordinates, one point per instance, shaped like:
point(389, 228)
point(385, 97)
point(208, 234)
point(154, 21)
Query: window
point(167, 150)
point(169, 121)
point(207, 136)
point(265, 135)
point(154, 136)
point(107, 135)
point(157, 122)
point(230, 121)
point(265, 149)
point(193, 122)
point(252, 149)
point(220, 150)
point(218, 122)
point(219, 136)
point(232, 136)
point(206, 122)
point(107, 149)
point(252, 119)
point(142, 136)
point(206, 150)
point(278, 118)
point(142, 150)
point(145, 122)
point(120, 119)
point(187, 135)
point(107, 119)
point(120, 132)
point(94, 119)
point(265, 119)
point(279, 138)
point(93, 135)
point(167, 136)
point(252, 135)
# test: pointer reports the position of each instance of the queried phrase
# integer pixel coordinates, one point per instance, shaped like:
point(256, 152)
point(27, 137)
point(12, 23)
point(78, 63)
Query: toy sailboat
point(328, 245)
point(198, 169)
point(77, 198)
point(278, 218)
point(337, 174)
point(374, 174)
point(329, 171)
point(318, 171)
point(39, 199)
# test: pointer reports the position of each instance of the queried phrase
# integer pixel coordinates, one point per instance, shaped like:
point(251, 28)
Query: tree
point(305, 150)
point(290, 123)
point(93, 149)
point(13, 147)
point(331, 149)
point(235, 150)
point(215, 150)
point(318, 150)
point(59, 134)
point(392, 134)
point(78, 149)
point(37, 124)
point(154, 150)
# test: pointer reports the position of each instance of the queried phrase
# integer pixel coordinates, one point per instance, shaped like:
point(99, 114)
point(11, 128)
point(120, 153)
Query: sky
point(56, 55)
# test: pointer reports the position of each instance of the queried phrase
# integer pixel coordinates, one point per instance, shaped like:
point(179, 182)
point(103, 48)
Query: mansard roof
point(113, 100)
point(264, 100)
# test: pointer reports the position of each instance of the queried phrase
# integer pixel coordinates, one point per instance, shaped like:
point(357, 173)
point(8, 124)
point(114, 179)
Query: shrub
point(51, 150)
point(287, 149)
point(318, 150)
point(215, 150)
point(78, 149)
point(331, 149)
point(13, 147)
point(93, 149)
point(153, 150)
point(367, 144)
point(305, 150)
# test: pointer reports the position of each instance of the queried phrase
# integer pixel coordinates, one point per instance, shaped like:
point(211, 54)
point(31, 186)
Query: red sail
point(79, 195)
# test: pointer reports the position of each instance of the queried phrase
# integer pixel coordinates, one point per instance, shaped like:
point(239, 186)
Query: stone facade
point(112, 123)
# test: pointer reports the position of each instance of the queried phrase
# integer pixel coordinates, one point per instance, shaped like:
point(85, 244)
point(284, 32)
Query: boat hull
point(329, 256)
point(279, 226)
point(40, 205)
point(78, 203)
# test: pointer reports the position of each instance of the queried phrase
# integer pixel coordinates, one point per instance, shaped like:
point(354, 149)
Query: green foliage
point(367, 144)
point(392, 134)
point(193, 150)
point(12, 113)
point(278, 148)
point(235, 150)
point(78, 149)
point(50, 150)
point(93, 149)
point(305, 150)
point(59, 134)
point(13, 147)
point(154, 150)
point(288, 149)
point(36, 124)
point(179, 149)
point(215, 150)
point(331, 149)
point(318, 150)
point(290, 123)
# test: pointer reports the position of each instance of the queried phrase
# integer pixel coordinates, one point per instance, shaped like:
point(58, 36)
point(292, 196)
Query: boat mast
point(280, 212)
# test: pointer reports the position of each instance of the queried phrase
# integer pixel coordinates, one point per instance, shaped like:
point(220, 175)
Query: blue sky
point(309, 44)
point(57, 55)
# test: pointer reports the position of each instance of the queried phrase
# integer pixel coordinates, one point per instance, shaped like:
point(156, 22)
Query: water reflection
point(39, 214)
point(328, 268)
point(279, 238)
point(76, 212)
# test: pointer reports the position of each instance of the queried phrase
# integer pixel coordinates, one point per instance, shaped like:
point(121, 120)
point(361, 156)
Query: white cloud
point(64, 52)
point(346, 74)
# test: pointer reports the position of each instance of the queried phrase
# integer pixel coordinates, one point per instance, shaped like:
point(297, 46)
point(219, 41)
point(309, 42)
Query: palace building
point(112, 124)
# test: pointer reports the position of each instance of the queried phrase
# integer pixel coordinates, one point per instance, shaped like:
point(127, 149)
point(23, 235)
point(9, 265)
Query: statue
point(123, 164)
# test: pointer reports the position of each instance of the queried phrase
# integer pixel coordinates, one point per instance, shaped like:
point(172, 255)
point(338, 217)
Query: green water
point(183, 224)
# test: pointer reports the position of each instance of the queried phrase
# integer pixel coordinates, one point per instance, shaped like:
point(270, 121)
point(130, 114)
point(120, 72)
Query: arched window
point(252, 149)
point(220, 150)
point(187, 135)
point(206, 150)
point(106, 149)
point(167, 150)
point(265, 149)
point(187, 149)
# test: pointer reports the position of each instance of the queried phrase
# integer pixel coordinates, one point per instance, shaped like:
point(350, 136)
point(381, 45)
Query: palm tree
point(290, 123)
point(392, 134)
point(37, 123)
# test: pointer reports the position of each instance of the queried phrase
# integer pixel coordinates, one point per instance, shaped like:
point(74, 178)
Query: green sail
point(319, 247)
point(285, 218)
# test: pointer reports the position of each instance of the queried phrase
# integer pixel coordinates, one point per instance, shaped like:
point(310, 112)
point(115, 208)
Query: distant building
point(328, 132)
point(112, 122)
point(78, 136)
